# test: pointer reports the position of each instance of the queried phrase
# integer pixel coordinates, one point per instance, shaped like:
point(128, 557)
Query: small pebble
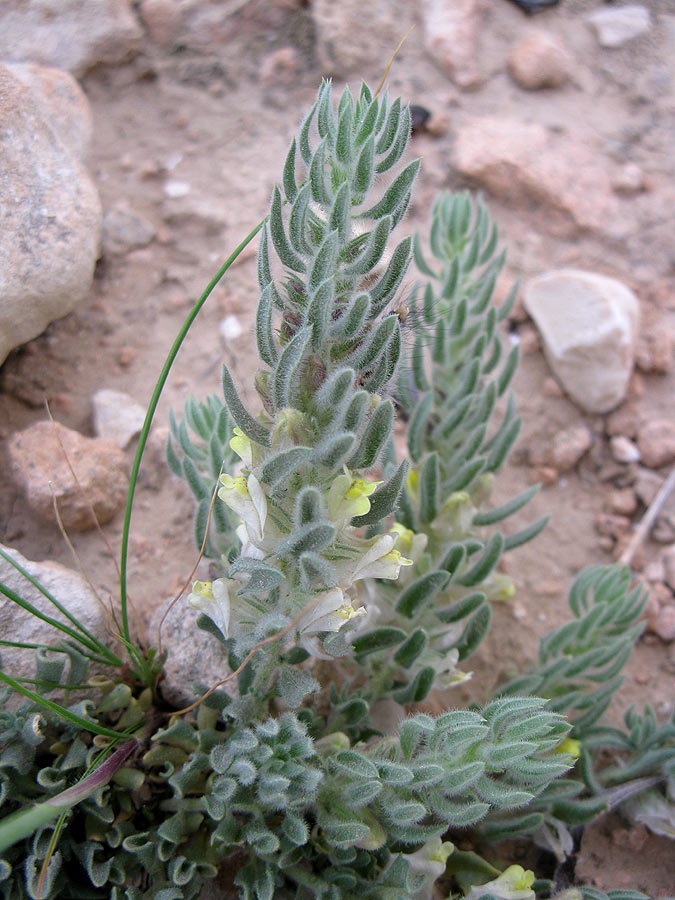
point(630, 180)
point(622, 501)
point(611, 526)
point(569, 446)
point(623, 449)
point(176, 189)
point(656, 442)
point(664, 624)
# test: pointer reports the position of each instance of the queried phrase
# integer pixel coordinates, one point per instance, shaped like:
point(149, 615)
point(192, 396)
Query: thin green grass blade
point(101, 648)
point(93, 645)
point(152, 406)
point(60, 710)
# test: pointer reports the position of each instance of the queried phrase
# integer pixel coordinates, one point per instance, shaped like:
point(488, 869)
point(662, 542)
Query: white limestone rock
point(588, 324)
point(69, 34)
point(194, 656)
point(117, 416)
point(16, 624)
point(616, 25)
point(50, 218)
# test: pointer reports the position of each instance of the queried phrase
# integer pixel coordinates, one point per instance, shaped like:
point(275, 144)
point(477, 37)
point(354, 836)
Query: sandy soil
point(205, 115)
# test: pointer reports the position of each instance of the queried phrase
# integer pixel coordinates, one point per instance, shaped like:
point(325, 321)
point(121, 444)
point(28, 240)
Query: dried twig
point(646, 522)
point(393, 57)
point(194, 568)
point(268, 640)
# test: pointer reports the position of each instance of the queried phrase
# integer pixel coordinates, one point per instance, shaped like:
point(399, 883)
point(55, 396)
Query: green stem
point(154, 400)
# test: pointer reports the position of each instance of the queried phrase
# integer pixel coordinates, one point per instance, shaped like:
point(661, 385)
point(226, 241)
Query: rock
point(656, 442)
point(194, 656)
point(69, 588)
point(50, 219)
point(616, 26)
point(162, 20)
point(588, 324)
point(647, 484)
point(451, 30)
point(629, 180)
point(117, 417)
point(569, 446)
point(622, 502)
point(624, 450)
point(347, 32)
point(526, 165)
point(654, 354)
point(669, 566)
point(540, 60)
point(624, 421)
point(663, 623)
point(125, 230)
point(68, 34)
point(611, 525)
point(40, 468)
point(176, 189)
point(62, 103)
point(280, 67)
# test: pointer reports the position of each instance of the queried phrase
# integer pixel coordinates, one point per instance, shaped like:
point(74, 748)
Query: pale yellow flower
point(246, 497)
point(515, 883)
point(213, 599)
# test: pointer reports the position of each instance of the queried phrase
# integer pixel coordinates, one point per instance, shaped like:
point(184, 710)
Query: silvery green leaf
point(378, 639)
point(421, 593)
point(372, 252)
point(364, 172)
point(285, 252)
point(283, 463)
point(294, 685)
point(321, 191)
point(286, 368)
point(323, 265)
point(297, 221)
point(384, 499)
point(374, 437)
point(334, 450)
point(474, 632)
point(387, 286)
point(429, 483)
point(252, 429)
point(397, 145)
point(409, 652)
point(290, 187)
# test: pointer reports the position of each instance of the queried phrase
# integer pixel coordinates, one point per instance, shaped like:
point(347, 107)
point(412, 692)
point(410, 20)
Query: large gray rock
point(194, 656)
point(528, 167)
point(16, 624)
point(41, 458)
point(351, 34)
point(68, 34)
point(50, 217)
point(62, 102)
point(117, 416)
point(451, 30)
point(588, 324)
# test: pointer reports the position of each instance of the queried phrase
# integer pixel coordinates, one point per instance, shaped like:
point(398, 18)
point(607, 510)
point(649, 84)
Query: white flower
point(248, 549)
point(379, 559)
point(246, 497)
point(430, 861)
point(513, 884)
point(331, 612)
point(213, 599)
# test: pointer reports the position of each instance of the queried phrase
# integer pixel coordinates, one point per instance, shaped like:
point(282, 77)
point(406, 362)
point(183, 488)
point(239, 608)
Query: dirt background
point(218, 115)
